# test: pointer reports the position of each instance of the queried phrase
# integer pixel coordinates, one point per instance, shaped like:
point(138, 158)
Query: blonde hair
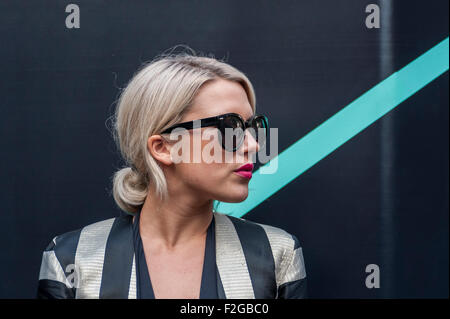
point(158, 95)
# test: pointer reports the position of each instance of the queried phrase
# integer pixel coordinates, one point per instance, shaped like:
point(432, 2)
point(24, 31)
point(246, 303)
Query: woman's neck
point(174, 222)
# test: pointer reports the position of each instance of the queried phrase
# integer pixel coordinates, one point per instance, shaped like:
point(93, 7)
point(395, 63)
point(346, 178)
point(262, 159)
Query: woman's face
point(217, 179)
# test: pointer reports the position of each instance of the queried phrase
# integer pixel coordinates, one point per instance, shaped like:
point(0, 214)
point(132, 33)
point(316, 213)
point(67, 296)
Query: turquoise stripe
point(342, 126)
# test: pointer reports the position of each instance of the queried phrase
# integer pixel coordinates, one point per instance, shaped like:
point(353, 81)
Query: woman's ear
point(159, 148)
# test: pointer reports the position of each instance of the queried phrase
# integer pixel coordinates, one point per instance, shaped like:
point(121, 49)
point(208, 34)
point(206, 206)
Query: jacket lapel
point(232, 267)
point(119, 274)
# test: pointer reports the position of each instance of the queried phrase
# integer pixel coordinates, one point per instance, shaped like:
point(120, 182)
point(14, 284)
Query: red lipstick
point(245, 170)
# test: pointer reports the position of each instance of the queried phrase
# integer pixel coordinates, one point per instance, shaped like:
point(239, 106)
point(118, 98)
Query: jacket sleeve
point(53, 282)
point(293, 284)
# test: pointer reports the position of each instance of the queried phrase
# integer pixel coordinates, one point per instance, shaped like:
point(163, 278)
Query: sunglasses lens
point(232, 132)
point(259, 131)
point(232, 122)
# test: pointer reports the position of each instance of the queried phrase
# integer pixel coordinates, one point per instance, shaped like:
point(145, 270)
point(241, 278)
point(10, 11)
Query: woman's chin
point(235, 195)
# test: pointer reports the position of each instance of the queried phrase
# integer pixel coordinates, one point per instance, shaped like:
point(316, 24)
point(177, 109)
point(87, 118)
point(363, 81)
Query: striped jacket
point(98, 261)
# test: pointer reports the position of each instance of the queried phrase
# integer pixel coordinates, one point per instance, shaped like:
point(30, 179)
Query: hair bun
point(129, 189)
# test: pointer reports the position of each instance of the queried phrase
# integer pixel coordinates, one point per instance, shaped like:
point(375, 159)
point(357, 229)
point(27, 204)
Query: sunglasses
point(231, 128)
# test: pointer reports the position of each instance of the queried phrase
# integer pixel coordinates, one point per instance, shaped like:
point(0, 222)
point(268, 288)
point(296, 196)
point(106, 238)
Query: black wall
point(380, 198)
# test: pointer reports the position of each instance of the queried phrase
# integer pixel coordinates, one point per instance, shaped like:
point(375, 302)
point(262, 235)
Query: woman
point(171, 243)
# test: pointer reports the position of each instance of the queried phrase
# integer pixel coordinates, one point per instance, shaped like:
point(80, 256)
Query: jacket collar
point(233, 278)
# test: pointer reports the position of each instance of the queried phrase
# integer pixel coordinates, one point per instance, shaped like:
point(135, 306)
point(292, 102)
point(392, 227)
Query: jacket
point(98, 261)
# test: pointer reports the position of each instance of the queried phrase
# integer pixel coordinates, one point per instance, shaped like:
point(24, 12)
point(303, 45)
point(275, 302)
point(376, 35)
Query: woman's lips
point(245, 174)
point(245, 170)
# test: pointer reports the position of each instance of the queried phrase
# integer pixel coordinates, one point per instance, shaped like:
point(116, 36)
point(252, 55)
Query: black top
point(208, 288)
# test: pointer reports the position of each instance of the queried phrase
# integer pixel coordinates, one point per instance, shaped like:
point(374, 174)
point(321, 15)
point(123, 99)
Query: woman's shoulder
point(95, 235)
point(72, 262)
point(279, 239)
point(263, 244)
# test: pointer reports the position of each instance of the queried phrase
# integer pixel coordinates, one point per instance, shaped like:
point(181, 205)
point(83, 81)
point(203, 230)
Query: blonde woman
point(171, 243)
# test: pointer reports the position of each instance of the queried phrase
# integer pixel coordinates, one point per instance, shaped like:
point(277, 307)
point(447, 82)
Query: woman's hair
point(158, 95)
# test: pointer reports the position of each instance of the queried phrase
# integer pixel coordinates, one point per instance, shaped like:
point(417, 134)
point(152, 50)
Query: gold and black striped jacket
point(98, 261)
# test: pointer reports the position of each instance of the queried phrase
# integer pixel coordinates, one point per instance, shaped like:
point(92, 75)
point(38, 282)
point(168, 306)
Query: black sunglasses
point(235, 125)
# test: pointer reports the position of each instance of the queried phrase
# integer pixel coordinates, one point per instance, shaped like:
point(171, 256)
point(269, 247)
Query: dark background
point(380, 198)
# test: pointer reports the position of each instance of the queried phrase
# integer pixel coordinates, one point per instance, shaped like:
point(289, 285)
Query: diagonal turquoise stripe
point(342, 126)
